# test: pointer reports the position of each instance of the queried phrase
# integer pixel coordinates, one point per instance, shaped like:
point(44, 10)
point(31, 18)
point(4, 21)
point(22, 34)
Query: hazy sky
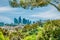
point(7, 13)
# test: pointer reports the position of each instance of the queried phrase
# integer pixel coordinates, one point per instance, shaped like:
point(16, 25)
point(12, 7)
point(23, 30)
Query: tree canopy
point(26, 4)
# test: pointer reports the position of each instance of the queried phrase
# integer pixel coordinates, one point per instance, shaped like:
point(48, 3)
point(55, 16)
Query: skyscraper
point(1, 23)
point(28, 21)
point(24, 21)
point(15, 21)
point(19, 20)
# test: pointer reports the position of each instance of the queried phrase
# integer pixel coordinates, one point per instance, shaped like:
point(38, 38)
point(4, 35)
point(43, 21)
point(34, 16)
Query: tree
point(35, 3)
point(49, 32)
point(1, 36)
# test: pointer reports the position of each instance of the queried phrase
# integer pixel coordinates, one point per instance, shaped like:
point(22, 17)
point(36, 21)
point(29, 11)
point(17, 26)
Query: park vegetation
point(48, 30)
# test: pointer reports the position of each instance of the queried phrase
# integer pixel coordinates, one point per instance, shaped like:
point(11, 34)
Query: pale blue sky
point(7, 13)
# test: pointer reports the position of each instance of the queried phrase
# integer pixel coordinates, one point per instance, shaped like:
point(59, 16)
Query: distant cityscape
point(21, 21)
point(18, 21)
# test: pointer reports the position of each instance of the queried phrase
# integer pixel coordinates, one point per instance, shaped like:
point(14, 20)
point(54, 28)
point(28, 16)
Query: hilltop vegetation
point(49, 30)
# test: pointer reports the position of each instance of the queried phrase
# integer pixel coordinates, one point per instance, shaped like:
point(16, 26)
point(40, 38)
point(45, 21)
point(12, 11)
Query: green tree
point(35, 3)
point(1, 36)
point(49, 32)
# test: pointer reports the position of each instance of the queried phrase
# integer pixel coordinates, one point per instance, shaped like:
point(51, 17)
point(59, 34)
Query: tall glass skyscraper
point(15, 21)
point(19, 20)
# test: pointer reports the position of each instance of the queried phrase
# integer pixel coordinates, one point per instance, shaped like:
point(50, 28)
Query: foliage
point(32, 37)
point(49, 31)
point(35, 3)
point(1, 36)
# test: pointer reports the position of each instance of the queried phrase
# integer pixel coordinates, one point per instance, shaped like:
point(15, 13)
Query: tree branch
point(54, 6)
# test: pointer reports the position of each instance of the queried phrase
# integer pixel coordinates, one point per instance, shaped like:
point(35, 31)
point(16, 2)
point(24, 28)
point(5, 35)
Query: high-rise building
point(19, 20)
point(1, 23)
point(15, 21)
point(33, 21)
point(28, 22)
point(24, 21)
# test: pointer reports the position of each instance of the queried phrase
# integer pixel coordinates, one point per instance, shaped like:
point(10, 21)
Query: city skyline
point(7, 13)
point(20, 20)
point(17, 21)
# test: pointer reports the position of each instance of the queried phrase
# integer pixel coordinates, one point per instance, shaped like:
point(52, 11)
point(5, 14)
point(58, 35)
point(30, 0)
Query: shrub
point(49, 32)
point(1, 36)
point(31, 37)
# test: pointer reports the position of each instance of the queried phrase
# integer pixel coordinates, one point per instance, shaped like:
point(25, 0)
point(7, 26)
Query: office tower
point(24, 21)
point(19, 20)
point(15, 21)
point(28, 22)
point(1, 23)
point(33, 21)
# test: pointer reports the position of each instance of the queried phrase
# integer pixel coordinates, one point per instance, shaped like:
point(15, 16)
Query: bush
point(31, 37)
point(49, 32)
point(1, 36)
